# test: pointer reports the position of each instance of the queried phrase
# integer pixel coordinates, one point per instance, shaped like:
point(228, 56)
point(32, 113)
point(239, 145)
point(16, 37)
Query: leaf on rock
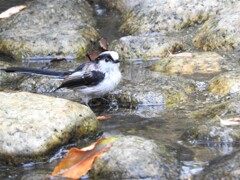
point(79, 161)
point(103, 43)
point(92, 55)
point(183, 54)
point(13, 10)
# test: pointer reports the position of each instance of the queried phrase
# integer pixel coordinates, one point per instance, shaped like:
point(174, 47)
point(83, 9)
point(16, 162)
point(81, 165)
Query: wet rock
point(212, 132)
point(224, 167)
point(8, 81)
point(133, 157)
point(225, 83)
point(32, 125)
point(155, 16)
point(165, 91)
point(63, 28)
point(146, 47)
point(208, 110)
point(190, 63)
point(39, 84)
point(219, 32)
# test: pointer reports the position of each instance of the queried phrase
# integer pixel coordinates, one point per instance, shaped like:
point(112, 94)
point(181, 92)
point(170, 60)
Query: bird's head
point(108, 61)
point(111, 56)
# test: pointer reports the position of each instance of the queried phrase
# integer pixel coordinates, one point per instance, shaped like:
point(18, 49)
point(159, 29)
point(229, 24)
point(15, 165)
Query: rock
point(32, 125)
point(191, 63)
point(60, 28)
point(146, 47)
point(220, 33)
point(134, 157)
point(212, 132)
point(124, 6)
point(155, 16)
point(155, 25)
point(224, 167)
point(162, 91)
point(225, 83)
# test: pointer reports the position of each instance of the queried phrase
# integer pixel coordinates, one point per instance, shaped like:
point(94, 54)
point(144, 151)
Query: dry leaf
point(103, 117)
point(229, 121)
point(184, 54)
point(92, 55)
point(103, 43)
point(79, 161)
point(13, 10)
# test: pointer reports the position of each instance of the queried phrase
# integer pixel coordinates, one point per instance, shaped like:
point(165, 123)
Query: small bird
point(92, 79)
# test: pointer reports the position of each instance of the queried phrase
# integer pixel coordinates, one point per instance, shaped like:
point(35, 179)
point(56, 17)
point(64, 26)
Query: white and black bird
point(92, 79)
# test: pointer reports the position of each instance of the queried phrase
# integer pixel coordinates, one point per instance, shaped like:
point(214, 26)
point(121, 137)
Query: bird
point(92, 79)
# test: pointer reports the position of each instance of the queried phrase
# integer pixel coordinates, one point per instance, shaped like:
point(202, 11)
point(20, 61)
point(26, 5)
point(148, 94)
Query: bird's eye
point(107, 59)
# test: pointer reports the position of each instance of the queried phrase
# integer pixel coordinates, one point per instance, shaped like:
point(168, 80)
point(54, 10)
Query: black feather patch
point(28, 70)
point(88, 79)
point(106, 57)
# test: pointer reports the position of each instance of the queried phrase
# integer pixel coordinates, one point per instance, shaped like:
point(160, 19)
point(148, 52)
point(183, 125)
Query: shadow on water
point(151, 122)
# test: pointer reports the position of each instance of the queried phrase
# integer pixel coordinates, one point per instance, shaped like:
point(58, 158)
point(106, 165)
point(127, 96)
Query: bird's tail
point(27, 70)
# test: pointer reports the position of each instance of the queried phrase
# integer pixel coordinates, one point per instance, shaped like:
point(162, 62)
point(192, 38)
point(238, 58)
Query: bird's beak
point(116, 61)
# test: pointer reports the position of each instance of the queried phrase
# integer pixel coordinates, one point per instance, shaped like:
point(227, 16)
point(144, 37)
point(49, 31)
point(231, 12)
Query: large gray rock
point(49, 27)
point(155, 25)
point(155, 15)
point(32, 125)
point(220, 31)
point(133, 157)
point(146, 46)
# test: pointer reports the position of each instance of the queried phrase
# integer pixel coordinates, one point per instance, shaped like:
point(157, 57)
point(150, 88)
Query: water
point(165, 126)
point(5, 4)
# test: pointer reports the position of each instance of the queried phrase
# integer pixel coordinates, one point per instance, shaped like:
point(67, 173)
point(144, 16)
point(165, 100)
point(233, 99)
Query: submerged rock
point(224, 167)
point(220, 31)
point(32, 125)
point(191, 63)
point(134, 157)
point(213, 132)
point(50, 27)
point(225, 83)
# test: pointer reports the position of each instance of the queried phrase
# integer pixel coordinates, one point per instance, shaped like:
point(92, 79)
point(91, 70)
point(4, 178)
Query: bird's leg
point(85, 100)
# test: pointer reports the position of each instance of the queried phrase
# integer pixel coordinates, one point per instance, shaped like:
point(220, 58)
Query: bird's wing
point(78, 80)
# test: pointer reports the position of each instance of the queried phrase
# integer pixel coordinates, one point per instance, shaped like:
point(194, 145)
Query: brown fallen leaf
point(103, 43)
point(92, 55)
point(79, 161)
point(103, 117)
point(13, 10)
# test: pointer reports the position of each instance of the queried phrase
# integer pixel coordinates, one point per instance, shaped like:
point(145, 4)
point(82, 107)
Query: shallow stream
point(165, 126)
